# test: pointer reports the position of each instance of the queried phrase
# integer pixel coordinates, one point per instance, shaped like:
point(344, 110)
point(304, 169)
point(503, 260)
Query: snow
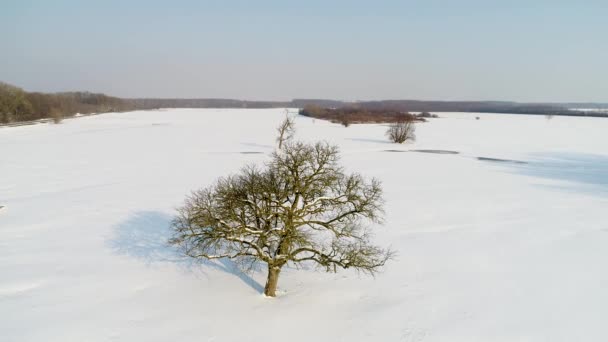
point(487, 250)
point(601, 110)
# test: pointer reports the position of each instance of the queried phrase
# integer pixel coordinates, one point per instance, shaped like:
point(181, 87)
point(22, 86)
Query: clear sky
point(534, 50)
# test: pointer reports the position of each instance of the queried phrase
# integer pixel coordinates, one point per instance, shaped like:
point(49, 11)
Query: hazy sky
point(534, 50)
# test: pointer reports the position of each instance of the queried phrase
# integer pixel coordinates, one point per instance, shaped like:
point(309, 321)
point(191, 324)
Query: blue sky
point(536, 50)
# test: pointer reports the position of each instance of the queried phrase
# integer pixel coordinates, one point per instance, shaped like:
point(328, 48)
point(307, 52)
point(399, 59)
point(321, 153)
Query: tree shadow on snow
point(144, 236)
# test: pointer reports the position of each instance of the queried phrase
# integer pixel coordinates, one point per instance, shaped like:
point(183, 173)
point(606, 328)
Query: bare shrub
point(427, 115)
point(401, 132)
point(344, 120)
point(56, 116)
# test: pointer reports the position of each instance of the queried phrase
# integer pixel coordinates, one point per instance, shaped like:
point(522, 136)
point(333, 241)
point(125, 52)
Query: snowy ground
point(487, 250)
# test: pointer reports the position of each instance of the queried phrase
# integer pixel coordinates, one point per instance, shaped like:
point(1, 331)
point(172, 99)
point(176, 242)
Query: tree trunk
point(271, 282)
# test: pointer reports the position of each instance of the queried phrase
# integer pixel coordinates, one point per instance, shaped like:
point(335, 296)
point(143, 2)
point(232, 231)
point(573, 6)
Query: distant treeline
point(205, 103)
point(19, 105)
point(455, 106)
point(350, 115)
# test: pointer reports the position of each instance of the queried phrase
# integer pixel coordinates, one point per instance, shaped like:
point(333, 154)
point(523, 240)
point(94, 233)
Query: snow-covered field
point(487, 250)
point(601, 110)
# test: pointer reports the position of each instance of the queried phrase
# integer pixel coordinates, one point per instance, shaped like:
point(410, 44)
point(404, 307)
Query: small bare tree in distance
point(402, 131)
point(286, 130)
point(300, 208)
point(344, 120)
point(56, 116)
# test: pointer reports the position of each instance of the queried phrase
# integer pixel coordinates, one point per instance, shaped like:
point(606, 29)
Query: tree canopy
point(300, 208)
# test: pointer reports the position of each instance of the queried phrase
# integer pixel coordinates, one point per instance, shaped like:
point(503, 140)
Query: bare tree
point(401, 132)
point(344, 120)
point(286, 130)
point(56, 116)
point(300, 208)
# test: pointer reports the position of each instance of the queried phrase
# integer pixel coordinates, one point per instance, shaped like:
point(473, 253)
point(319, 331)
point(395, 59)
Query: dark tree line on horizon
point(352, 115)
point(17, 105)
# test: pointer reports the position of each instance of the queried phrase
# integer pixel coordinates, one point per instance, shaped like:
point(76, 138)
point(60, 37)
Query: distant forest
point(18, 105)
point(351, 115)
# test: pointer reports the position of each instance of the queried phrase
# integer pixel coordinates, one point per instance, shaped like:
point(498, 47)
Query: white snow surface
point(486, 250)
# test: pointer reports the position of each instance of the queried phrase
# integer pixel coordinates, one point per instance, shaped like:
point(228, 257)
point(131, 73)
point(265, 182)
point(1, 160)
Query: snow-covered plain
point(487, 250)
